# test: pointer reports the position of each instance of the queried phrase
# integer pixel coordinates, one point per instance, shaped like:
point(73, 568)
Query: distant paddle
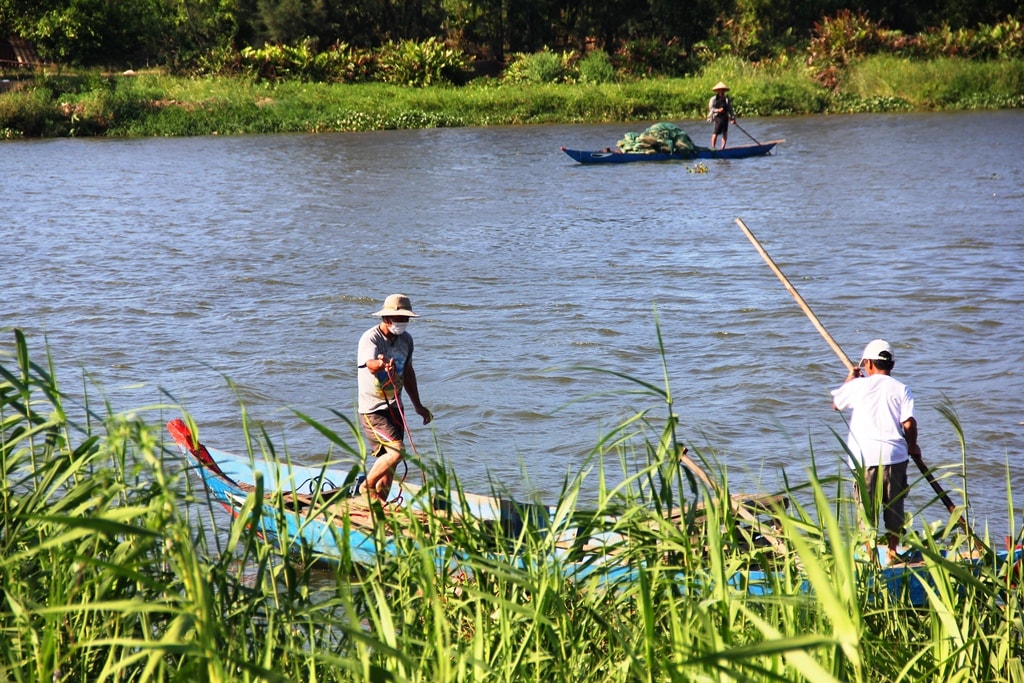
point(736, 123)
point(918, 460)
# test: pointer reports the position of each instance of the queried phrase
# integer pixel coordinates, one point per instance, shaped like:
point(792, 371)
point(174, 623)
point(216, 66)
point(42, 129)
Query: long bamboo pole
point(918, 459)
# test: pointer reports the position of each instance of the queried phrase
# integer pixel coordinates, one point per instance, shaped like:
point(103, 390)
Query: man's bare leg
point(382, 474)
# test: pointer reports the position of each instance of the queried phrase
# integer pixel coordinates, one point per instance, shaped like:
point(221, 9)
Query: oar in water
point(918, 459)
point(736, 123)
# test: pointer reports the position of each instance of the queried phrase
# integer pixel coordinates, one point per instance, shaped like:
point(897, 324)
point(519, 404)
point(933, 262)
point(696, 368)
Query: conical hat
point(720, 86)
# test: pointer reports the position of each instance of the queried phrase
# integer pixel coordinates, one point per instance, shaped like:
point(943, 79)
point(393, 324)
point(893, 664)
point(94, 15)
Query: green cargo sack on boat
point(659, 138)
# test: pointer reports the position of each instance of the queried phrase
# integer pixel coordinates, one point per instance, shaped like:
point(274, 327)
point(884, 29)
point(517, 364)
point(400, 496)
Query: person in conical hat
point(385, 369)
point(720, 113)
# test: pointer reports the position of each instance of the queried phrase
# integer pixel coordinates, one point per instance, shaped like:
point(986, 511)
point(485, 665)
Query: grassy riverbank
point(155, 104)
point(115, 568)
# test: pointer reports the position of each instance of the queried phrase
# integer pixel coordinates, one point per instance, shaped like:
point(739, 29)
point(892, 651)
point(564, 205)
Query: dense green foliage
point(178, 33)
point(247, 85)
point(115, 568)
point(841, 40)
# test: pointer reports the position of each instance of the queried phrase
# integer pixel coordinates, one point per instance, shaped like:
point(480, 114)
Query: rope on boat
point(397, 406)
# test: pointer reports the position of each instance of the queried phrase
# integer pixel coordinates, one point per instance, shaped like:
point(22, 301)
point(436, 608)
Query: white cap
point(877, 349)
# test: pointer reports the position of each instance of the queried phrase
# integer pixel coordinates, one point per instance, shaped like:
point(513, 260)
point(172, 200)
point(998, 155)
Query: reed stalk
point(114, 565)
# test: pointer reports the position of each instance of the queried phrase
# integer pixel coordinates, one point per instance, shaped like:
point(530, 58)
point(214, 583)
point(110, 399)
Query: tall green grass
point(154, 104)
point(943, 83)
point(114, 566)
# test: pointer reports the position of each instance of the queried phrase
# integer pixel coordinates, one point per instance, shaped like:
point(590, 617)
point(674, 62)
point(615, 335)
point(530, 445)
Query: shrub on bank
point(839, 41)
point(419, 64)
point(596, 67)
point(408, 63)
point(30, 113)
point(275, 63)
point(1004, 40)
point(542, 67)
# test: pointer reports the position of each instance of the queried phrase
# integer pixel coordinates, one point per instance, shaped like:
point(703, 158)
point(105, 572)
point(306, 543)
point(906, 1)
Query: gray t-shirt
point(375, 391)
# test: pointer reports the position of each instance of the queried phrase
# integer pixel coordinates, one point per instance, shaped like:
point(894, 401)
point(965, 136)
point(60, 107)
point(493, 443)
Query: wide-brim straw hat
point(719, 86)
point(396, 305)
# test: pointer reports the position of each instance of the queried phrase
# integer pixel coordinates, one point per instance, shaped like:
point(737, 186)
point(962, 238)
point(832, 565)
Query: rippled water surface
point(212, 270)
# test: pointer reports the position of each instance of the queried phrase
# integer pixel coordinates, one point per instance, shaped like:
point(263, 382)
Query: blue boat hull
point(610, 156)
point(303, 508)
point(299, 507)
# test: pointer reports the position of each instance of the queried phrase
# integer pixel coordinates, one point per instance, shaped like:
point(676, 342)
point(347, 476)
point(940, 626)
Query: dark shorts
point(382, 431)
point(894, 493)
point(721, 125)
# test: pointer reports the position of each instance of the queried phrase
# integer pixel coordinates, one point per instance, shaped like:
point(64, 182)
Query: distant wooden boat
point(612, 156)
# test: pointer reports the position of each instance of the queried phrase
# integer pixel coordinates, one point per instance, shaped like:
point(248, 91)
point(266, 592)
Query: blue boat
point(303, 508)
point(614, 156)
point(316, 509)
point(300, 507)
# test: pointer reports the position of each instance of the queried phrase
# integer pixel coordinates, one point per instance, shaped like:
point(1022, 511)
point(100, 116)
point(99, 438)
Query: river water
point(208, 271)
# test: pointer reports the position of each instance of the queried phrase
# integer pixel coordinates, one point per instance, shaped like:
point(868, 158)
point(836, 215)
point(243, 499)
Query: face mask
point(398, 328)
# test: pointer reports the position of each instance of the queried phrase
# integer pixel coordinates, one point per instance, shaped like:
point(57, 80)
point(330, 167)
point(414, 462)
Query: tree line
point(178, 34)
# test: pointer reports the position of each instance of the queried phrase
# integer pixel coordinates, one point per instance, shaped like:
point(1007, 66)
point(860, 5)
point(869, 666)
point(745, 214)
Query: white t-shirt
point(880, 405)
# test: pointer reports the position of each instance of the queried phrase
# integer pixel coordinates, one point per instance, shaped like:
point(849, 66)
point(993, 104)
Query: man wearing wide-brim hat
point(385, 370)
point(720, 113)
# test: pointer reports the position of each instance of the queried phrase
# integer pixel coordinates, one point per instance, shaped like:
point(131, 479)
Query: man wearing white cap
point(883, 432)
point(385, 369)
point(720, 113)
